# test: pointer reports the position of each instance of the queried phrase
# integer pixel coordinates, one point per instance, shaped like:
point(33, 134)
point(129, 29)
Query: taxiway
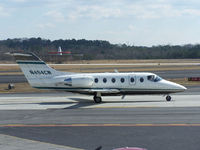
point(25, 102)
point(67, 121)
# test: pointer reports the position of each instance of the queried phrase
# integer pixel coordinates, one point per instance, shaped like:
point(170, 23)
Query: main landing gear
point(97, 98)
point(168, 98)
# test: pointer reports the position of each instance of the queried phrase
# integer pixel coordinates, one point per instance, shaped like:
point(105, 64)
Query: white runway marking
point(47, 102)
point(8, 142)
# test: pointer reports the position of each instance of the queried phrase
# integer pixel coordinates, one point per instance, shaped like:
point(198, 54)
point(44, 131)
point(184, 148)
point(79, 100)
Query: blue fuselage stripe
point(30, 62)
point(121, 90)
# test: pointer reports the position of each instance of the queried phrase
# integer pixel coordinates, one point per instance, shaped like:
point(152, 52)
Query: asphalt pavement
point(72, 121)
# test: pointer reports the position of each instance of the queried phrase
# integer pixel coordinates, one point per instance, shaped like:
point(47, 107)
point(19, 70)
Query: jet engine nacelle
point(79, 81)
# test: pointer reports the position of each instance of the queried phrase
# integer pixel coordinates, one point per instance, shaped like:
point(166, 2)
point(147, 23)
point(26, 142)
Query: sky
point(133, 22)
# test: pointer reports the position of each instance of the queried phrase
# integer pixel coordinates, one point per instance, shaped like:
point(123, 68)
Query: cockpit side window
point(150, 77)
point(157, 79)
point(154, 78)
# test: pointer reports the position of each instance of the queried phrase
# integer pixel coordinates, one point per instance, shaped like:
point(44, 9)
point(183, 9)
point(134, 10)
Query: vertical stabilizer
point(36, 71)
point(59, 51)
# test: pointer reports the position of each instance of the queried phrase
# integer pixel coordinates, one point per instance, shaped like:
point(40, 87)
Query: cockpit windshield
point(154, 78)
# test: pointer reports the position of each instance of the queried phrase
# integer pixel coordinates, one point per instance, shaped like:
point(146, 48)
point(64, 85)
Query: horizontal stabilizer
point(25, 57)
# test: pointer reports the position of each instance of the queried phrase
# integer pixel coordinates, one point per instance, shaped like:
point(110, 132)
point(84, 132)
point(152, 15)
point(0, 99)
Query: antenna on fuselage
point(116, 71)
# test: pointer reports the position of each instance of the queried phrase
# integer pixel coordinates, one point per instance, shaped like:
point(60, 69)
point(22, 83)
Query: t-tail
point(36, 71)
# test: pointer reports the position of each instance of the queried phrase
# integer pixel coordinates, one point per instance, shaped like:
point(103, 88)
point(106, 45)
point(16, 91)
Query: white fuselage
point(112, 83)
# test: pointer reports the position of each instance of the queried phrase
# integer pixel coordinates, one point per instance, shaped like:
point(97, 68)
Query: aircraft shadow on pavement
point(91, 102)
point(124, 101)
point(78, 103)
point(117, 101)
point(82, 102)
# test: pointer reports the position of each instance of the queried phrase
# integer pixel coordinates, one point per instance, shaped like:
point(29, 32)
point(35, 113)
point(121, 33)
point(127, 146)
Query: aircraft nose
point(175, 86)
point(182, 88)
point(179, 87)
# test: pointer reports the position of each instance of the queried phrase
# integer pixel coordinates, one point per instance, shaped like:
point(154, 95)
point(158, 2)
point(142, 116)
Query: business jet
point(41, 76)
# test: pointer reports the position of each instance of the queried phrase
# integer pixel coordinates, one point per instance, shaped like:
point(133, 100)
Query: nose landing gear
point(168, 98)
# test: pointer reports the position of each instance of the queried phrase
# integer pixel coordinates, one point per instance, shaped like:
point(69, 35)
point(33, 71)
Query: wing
point(104, 90)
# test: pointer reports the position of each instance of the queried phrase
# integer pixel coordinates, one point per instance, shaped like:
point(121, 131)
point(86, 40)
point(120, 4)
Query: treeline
point(97, 49)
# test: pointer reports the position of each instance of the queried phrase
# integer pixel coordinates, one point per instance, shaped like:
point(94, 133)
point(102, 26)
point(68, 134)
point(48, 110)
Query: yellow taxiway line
point(99, 125)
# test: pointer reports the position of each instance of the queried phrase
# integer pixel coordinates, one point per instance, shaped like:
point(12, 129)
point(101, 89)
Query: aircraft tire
point(97, 99)
point(168, 98)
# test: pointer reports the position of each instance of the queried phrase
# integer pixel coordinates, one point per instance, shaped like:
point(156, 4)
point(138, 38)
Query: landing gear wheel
point(168, 98)
point(97, 99)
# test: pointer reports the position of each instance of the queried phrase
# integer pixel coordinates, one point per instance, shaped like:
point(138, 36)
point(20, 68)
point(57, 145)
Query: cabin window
point(96, 80)
point(141, 79)
point(104, 80)
point(122, 80)
point(132, 79)
point(113, 80)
